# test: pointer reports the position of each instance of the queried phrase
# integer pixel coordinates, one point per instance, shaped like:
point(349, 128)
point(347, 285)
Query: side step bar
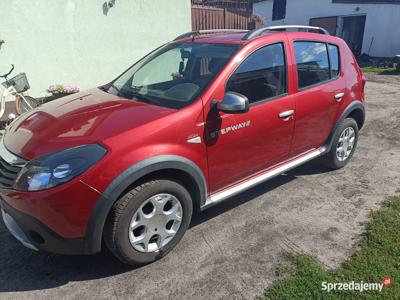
point(266, 175)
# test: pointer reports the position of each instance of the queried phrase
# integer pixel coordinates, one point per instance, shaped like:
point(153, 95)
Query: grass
point(381, 70)
point(378, 256)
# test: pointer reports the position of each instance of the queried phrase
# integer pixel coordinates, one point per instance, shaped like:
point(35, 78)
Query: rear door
point(319, 95)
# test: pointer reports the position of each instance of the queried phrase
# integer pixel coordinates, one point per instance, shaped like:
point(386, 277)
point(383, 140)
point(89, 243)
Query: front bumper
point(37, 236)
point(16, 231)
point(54, 220)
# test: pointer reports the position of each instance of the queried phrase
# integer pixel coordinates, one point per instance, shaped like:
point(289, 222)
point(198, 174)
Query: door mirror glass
point(234, 103)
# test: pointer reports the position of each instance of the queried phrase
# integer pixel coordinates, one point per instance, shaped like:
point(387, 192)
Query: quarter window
point(312, 63)
point(334, 59)
point(262, 75)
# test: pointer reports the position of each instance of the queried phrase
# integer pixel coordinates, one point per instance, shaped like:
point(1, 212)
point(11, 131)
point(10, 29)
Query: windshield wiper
point(138, 96)
point(107, 87)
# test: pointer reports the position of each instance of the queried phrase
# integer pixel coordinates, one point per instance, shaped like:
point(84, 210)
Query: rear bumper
point(37, 236)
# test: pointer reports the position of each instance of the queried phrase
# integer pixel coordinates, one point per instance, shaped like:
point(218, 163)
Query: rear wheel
point(25, 103)
point(344, 144)
point(147, 222)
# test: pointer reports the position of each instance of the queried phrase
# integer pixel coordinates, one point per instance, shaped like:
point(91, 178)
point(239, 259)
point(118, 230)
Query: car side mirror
point(234, 103)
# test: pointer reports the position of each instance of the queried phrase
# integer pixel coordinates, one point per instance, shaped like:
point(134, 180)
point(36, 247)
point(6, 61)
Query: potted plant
point(60, 90)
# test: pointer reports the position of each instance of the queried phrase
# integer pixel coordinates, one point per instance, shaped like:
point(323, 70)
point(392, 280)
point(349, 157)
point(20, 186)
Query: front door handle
point(338, 97)
point(286, 114)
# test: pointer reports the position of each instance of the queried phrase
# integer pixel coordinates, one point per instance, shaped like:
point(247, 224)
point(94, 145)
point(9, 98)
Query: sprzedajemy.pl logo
point(356, 286)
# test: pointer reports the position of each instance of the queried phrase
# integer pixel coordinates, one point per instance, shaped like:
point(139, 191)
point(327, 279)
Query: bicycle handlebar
point(5, 75)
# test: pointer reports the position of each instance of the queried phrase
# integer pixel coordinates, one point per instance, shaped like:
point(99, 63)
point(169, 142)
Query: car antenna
point(195, 33)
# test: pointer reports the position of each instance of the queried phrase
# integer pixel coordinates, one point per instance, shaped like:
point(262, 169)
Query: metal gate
point(222, 14)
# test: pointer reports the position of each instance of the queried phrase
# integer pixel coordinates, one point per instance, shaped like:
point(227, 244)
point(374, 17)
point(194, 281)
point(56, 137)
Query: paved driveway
point(232, 249)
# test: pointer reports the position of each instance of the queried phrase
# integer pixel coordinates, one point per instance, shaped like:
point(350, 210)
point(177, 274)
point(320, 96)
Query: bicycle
point(17, 86)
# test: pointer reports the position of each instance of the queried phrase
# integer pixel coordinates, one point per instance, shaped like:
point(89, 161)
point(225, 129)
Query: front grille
point(10, 165)
point(8, 174)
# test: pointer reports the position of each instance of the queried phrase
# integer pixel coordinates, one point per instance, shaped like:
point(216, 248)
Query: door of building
point(353, 32)
point(328, 23)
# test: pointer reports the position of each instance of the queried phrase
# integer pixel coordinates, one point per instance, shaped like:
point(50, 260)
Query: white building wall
point(84, 42)
point(382, 20)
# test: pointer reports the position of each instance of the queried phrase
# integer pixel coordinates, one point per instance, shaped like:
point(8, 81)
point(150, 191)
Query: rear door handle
point(338, 97)
point(286, 114)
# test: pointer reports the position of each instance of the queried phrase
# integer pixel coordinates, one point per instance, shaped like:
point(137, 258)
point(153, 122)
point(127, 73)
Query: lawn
point(381, 70)
point(377, 257)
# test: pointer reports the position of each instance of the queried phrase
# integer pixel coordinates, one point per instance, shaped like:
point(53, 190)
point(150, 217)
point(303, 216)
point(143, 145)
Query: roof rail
point(193, 34)
point(261, 31)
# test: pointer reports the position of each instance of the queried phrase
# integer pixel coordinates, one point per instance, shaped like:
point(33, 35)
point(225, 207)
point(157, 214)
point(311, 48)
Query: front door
point(240, 145)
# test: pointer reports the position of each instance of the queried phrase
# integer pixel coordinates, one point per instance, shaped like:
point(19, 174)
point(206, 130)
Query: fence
point(222, 15)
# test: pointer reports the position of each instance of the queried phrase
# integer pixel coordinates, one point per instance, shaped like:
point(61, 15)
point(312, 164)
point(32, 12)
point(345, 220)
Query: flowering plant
point(62, 89)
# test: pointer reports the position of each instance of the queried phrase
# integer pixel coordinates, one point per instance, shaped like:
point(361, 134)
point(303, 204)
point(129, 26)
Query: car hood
point(78, 119)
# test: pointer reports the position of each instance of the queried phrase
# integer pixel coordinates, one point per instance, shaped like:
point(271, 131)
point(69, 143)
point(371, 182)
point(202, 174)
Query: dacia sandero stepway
point(196, 121)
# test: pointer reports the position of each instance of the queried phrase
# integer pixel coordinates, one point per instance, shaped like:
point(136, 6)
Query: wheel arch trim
point(353, 106)
point(97, 220)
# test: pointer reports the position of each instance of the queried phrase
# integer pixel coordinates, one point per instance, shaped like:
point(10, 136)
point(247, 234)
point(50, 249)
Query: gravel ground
point(233, 249)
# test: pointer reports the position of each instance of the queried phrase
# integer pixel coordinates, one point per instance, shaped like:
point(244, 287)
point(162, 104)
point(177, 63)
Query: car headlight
point(54, 169)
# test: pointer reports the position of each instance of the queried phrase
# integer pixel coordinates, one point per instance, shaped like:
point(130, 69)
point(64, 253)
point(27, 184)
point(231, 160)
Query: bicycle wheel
point(25, 103)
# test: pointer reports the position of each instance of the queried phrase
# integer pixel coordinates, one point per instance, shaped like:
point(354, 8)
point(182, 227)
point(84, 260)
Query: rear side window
point(262, 75)
point(312, 63)
point(334, 59)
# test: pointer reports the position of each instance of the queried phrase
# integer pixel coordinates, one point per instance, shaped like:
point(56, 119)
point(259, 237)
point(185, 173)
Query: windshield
point(174, 75)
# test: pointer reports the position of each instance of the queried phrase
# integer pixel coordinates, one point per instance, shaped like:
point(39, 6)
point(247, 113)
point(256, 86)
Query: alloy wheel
point(155, 223)
point(345, 143)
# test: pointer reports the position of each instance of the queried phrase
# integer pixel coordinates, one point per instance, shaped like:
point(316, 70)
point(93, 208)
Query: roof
point(218, 38)
point(243, 37)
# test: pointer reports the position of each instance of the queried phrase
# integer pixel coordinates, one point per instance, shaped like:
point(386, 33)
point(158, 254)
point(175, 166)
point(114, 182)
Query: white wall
point(382, 22)
point(77, 42)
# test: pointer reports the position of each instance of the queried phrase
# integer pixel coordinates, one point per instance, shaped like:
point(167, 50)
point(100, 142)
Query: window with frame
point(312, 63)
point(334, 59)
point(262, 75)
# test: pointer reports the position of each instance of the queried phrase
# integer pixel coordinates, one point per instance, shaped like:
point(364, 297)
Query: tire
point(337, 161)
point(117, 233)
point(22, 107)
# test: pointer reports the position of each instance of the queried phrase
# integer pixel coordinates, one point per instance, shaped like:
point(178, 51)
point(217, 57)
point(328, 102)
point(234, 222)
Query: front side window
point(262, 75)
point(312, 63)
point(174, 75)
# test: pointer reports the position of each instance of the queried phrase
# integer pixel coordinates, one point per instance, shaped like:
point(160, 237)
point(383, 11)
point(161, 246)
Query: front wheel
point(344, 144)
point(148, 222)
point(25, 103)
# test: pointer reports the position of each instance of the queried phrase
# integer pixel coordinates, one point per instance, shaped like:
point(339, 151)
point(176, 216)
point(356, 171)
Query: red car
point(196, 121)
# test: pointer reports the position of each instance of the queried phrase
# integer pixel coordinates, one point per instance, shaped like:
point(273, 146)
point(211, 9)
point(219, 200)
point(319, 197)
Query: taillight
point(363, 82)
